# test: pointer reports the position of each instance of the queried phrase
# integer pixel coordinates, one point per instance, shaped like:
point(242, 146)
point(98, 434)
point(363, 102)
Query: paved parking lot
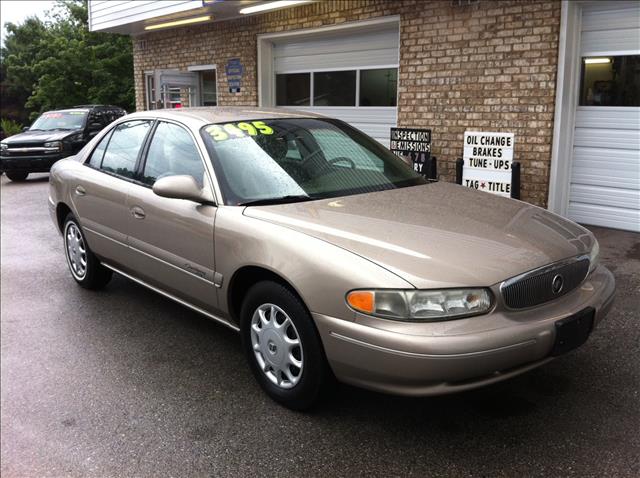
point(123, 382)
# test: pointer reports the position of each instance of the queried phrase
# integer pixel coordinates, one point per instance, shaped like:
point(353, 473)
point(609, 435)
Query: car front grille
point(544, 284)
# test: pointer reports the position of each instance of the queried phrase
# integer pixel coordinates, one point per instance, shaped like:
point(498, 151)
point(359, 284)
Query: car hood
point(38, 137)
point(439, 234)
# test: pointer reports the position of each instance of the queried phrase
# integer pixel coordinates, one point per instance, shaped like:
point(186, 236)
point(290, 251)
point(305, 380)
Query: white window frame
point(200, 68)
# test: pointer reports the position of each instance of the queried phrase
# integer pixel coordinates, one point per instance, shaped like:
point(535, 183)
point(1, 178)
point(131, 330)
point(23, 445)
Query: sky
point(16, 11)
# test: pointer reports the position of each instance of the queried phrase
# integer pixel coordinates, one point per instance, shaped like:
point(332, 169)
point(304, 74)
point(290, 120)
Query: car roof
point(218, 114)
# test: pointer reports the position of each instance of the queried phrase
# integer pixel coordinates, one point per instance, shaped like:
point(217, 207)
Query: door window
point(122, 152)
point(610, 81)
point(172, 152)
point(95, 161)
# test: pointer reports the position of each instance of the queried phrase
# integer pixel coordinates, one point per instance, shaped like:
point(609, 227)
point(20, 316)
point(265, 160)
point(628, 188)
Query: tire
point(84, 266)
point(304, 384)
point(18, 177)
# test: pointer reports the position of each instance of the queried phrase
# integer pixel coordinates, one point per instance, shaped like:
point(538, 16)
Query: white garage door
point(605, 175)
point(351, 75)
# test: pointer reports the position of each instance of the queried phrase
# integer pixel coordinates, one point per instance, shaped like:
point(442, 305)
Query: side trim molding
point(174, 298)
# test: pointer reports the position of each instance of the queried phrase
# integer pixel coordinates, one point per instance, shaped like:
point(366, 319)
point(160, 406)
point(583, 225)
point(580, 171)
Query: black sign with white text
point(414, 144)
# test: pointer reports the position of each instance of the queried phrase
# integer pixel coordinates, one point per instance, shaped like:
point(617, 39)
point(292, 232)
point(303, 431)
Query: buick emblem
point(557, 284)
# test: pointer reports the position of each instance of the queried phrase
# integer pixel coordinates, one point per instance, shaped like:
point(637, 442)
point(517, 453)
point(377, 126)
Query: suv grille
point(545, 284)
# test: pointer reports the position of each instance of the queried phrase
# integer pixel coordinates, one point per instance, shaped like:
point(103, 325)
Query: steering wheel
point(352, 165)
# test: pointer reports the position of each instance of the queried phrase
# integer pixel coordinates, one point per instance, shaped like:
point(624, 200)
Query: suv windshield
point(60, 120)
point(296, 159)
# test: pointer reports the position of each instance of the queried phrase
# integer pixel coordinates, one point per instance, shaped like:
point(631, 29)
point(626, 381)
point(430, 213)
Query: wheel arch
point(62, 210)
point(245, 277)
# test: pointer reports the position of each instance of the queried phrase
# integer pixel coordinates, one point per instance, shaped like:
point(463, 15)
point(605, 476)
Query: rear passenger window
point(172, 152)
point(95, 161)
point(122, 152)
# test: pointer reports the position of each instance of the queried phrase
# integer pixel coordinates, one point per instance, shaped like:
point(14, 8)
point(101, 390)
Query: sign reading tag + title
point(487, 162)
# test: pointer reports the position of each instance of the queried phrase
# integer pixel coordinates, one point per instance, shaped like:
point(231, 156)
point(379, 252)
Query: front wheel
point(83, 264)
point(282, 346)
point(14, 176)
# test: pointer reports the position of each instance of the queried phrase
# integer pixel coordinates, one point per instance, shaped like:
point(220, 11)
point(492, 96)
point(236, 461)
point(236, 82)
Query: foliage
point(59, 63)
point(9, 127)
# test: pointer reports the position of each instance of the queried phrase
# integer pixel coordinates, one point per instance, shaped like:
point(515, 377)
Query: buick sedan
point(329, 255)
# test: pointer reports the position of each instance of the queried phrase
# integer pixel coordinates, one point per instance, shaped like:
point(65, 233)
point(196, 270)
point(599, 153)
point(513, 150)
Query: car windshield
point(60, 120)
point(296, 159)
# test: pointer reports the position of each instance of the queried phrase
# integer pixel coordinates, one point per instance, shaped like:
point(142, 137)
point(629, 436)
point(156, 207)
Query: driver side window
point(172, 152)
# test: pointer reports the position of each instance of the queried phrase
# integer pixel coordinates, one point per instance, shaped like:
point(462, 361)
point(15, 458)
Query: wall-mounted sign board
point(487, 162)
point(413, 143)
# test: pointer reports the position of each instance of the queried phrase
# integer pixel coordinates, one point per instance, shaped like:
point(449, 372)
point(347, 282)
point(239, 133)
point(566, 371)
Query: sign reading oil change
point(413, 143)
point(487, 162)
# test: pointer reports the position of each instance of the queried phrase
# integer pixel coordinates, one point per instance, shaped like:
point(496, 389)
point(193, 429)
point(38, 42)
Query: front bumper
point(435, 358)
point(30, 164)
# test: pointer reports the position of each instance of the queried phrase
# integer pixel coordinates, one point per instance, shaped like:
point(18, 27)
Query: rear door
point(172, 239)
point(99, 193)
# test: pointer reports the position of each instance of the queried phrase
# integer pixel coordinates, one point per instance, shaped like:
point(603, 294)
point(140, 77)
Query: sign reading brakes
point(413, 143)
point(487, 162)
point(222, 132)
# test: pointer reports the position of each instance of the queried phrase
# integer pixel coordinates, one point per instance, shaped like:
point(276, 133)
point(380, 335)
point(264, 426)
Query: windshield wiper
point(277, 200)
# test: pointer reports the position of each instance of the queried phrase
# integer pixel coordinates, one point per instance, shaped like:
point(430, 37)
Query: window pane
point(378, 87)
point(293, 89)
point(172, 152)
point(209, 94)
point(123, 149)
point(96, 157)
point(611, 81)
point(334, 88)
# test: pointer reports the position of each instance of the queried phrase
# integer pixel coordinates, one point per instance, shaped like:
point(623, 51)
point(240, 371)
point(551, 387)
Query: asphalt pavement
point(123, 383)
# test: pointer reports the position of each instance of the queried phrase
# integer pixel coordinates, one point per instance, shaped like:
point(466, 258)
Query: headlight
point(54, 144)
point(4, 146)
point(594, 255)
point(421, 305)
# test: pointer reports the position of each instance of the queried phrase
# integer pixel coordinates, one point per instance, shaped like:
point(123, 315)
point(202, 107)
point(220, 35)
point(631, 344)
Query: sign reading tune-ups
point(487, 162)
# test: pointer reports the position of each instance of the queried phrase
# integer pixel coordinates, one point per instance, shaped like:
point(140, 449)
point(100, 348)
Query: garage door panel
point(596, 215)
point(617, 42)
point(611, 16)
point(607, 138)
point(606, 167)
point(600, 117)
point(606, 196)
point(339, 61)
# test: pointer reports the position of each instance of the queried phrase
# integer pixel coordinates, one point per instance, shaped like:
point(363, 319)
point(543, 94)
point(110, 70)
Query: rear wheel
point(85, 267)
point(282, 346)
point(15, 176)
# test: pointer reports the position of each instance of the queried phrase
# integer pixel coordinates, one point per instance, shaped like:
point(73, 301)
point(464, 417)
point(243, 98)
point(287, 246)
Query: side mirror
point(26, 128)
point(182, 187)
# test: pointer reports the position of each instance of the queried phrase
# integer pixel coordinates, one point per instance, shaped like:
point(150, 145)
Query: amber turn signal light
point(361, 300)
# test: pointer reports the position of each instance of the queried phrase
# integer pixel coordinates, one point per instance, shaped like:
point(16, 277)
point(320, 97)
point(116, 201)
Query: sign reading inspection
point(413, 143)
point(487, 162)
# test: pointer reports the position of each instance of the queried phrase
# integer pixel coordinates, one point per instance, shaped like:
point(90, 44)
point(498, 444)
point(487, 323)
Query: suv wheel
point(282, 346)
point(14, 176)
point(83, 264)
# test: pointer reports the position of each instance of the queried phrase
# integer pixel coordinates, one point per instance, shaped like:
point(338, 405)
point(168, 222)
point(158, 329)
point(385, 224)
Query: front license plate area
point(573, 331)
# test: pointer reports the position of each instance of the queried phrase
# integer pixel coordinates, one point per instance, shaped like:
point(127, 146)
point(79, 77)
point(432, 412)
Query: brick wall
point(486, 66)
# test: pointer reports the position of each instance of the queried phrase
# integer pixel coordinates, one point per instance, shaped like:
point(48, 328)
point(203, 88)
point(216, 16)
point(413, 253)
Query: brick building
point(563, 76)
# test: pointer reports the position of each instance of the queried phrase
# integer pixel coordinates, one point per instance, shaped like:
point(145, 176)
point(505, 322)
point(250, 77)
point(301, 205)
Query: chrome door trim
point(174, 298)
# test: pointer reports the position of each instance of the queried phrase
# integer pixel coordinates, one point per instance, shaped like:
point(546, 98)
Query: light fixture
point(186, 21)
point(597, 61)
point(272, 6)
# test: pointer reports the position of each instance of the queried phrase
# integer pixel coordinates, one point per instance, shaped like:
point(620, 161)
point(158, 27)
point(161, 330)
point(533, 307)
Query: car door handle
point(137, 212)
point(80, 191)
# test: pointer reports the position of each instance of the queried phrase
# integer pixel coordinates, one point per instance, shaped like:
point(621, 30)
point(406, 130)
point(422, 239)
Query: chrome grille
point(537, 286)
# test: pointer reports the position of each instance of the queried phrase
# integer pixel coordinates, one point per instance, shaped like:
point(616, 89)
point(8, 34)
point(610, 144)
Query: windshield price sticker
point(487, 161)
point(222, 132)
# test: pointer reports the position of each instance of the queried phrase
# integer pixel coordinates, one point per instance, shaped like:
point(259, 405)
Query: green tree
point(60, 63)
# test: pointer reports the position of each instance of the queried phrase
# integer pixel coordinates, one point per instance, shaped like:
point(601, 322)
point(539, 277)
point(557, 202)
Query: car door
point(172, 239)
point(99, 191)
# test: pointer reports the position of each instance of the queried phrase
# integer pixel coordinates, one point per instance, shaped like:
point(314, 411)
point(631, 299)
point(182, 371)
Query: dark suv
point(53, 136)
